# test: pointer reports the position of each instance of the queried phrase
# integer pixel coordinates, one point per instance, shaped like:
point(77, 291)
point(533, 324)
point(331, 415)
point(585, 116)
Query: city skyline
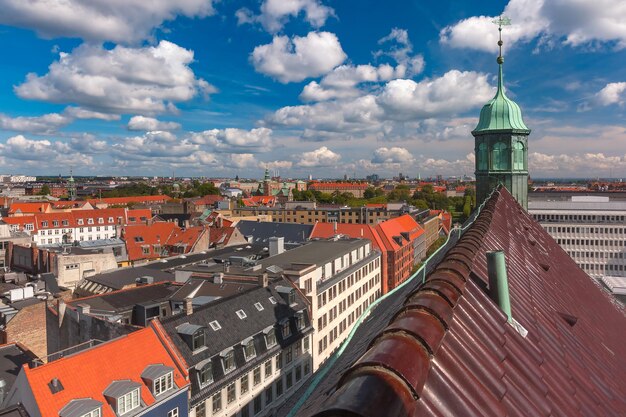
point(305, 86)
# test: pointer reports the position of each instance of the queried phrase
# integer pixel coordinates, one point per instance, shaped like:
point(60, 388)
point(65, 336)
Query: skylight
point(215, 325)
point(258, 306)
point(241, 314)
point(272, 300)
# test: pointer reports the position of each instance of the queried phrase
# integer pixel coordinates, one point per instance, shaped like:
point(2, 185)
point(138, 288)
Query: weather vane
point(501, 21)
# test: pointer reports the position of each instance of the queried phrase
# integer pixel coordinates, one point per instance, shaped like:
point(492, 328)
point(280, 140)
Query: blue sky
point(320, 87)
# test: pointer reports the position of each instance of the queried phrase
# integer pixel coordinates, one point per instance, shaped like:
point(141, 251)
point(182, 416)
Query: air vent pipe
point(498, 281)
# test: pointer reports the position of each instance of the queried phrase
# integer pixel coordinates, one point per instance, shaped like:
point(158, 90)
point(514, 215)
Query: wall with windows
point(176, 406)
point(262, 387)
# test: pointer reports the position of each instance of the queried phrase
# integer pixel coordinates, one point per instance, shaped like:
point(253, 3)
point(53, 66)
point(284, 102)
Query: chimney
point(498, 281)
point(218, 278)
point(264, 280)
point(277, 245)
point(188, 308)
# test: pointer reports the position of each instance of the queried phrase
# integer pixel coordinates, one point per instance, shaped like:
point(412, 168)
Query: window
point(279, 387)
point(279, 361)
point(258, 404)
point(173, 413)
point(258, 306)
point(241, 314)
point(81, 221)
point(100, 220)
point(44, 224)
point(163, 383)
point(55, 223)
point(145, 250)
point(499, 157)
point(268, 395)
point(89, 221)
point(215, 325)
point(217, 402)
point(29, 227)
point(110, 219)
point(230, 394)
point(198, 339)
point(482, 157)
point(248, 349)
point(228, 361)
point(306, 344)
point(270, 338)
point(201, 410)
point(128, 402)
point(289, 355)
point(289, 379)
point(518, 155)
point(206, 374)
point(93, 413)
point(256, 377)
point(285, 329)
point(243, 384)
point(268, 369)
point(298, 373)
point(272, 300)
point(65, 223)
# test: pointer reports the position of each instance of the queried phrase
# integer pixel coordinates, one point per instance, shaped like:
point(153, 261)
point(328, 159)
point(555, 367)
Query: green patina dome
point(501, 113)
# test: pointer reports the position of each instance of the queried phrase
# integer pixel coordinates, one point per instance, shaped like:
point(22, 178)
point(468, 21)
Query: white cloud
point(394, 155)
point(42, 153)
point(150, 123)
point(125, 21)
point(342, 82)
point(80, 113)
point(235, 140)
point(397, 107)
point(275, 165)
point(46, 123)
point(572, 22)
point(576, 163)
point(153, 145)
point(297, 59)
point(275, 13)
point(120, 80)
point(400, 49)
point(242, 160)
point(322, 157)
point(612, 93)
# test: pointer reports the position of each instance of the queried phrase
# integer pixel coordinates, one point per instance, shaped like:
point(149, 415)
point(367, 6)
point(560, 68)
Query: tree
point(467, 207)
point(436, 245)
point(45, 190)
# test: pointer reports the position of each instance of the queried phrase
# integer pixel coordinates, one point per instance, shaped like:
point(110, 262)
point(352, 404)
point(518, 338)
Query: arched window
point(482, 157)
point(499, 157)
point(518, 155)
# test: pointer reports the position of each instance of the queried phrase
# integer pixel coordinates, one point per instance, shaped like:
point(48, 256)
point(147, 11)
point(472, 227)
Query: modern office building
point(591, 229)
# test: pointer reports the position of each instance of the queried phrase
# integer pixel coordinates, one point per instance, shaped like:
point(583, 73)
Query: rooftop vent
point(55, 385)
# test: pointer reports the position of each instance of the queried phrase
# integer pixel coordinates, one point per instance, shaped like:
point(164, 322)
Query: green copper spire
point(501, 113)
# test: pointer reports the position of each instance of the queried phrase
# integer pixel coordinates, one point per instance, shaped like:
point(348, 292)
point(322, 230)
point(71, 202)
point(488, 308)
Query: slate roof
point(201, 287)
point(124, 300)
point(234, 330)
point(14, 411)
point(466, 360)
point(12, 357)
point(262, 231)
point(122, 277)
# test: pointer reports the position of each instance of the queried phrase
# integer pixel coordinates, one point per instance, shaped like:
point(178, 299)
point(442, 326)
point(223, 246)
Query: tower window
point(518, 155)
point(482, 157)
point(499, 157)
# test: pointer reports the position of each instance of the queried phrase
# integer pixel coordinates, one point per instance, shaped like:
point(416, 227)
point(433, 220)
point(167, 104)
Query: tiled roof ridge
point(415, 332)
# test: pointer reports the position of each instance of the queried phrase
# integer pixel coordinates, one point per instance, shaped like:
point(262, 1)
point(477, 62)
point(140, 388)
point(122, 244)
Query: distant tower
point(267, 183)
point(71, 187)
point(501, 142)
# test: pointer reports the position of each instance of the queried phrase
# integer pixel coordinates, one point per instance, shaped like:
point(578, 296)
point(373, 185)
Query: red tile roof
point(127, 200)
point(140, 236)
point(187, 237)
point(326, 230)
point(71, 219)
point(466, 360)
point(29, 208)
point(220, 235)
point(87, 374)
point(337, 186)
point(139, 216)
point(396, 227)
point(259, 200)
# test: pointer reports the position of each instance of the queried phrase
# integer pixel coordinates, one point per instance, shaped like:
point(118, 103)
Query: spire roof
point(501, 113)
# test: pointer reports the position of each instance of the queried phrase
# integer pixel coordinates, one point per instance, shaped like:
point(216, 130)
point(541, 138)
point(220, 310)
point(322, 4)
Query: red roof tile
point(466, 360)
point(396, 227)
point(87, 374)
point(140, 236)
point(29, 208)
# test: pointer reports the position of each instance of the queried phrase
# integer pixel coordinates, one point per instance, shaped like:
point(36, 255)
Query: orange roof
point(326, 230)
point(29, 208)
point(139, 215)
point(395, 227)
point(127, 200)
point(87, 374)
point(220, 235)
point(259, 200)
point(188, 237)
point(140, 236)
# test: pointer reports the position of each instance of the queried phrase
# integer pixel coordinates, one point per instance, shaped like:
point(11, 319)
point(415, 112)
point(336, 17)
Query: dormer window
point(90, 221)
point(300, 320)
point(55, 223)
point(285, 328)
point(198, 339)
point(128, 402)
point(206, 374)
point(85, 407)
point(164, 383)
point(228, 360)
point(248, 348)
point(123, 396)
point(66, 223)
point(270, 337)
point(100, 220)
point(80, 221)
point(111, 220)
point(44, 223)
point(159, 377)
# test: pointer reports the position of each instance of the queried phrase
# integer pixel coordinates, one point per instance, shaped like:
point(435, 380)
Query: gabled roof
point(326, 230)
point(401, 227)
point(126, 299)
point(466, 360)
point(29, 208)
point(89, 373)
point(186, 237)
point(141, 235)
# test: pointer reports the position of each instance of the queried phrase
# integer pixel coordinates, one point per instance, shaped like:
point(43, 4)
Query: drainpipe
point(498, 281)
